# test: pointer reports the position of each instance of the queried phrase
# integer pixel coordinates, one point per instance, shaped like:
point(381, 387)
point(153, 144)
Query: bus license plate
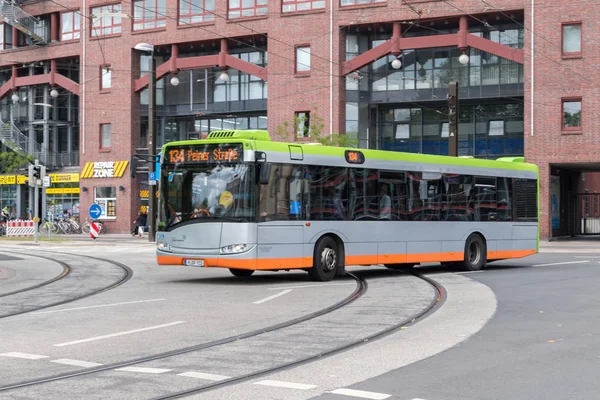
point(194, 263)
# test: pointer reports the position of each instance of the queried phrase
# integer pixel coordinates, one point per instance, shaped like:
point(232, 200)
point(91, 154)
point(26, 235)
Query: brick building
point(73, 90)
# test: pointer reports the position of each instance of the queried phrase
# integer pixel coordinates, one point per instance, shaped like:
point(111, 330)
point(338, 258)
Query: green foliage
point(10, 162)
point(313, 130)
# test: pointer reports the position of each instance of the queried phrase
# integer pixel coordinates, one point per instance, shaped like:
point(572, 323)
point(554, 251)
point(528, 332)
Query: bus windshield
point(210, 192)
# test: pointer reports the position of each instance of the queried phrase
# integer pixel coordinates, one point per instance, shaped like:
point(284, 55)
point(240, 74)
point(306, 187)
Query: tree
point(10, 162)
point(313, 129)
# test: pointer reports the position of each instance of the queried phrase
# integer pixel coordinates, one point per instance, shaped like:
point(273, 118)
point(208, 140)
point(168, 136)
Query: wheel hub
point(328, 259)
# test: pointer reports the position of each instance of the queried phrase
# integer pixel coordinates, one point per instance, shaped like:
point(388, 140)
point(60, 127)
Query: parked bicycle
point(85, 228)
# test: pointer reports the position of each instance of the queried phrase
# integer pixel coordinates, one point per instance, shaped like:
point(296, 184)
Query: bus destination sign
point(205, 153)
point(355, 157)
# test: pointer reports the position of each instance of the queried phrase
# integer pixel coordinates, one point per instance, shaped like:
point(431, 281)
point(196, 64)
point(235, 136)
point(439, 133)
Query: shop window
point(571, 112)
point(302, 119)
point(196, 11)
point(106, 24)
point(496, 128)
point(303, 59)
point(106, 198)
point(571, 39)
point(348, 3)
point(247, 8)
point(149, 14)
point(105, 136)
point(70, 26)
point(302, 5)
point(105, 77)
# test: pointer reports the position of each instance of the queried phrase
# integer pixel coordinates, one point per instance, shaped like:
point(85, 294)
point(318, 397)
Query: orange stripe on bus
point(306, 262)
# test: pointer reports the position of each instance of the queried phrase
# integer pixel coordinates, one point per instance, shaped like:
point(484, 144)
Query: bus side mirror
point(264, 173)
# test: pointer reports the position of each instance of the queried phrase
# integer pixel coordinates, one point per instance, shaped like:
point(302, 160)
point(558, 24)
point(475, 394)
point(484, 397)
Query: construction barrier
point(20, 228)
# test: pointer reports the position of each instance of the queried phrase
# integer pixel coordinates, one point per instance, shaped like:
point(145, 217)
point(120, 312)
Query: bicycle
point(85, 228)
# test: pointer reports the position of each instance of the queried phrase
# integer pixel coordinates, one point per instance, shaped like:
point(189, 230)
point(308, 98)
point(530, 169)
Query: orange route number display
point(205, 153)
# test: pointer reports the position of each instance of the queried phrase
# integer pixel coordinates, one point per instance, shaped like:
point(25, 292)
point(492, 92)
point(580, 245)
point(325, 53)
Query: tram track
point(360, 290)
point(67, 273)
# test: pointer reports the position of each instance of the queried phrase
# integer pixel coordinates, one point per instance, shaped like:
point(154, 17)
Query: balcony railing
point(15, 16)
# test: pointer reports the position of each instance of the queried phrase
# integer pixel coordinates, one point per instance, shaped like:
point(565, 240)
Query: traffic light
point(453, 119)
point(36, 173)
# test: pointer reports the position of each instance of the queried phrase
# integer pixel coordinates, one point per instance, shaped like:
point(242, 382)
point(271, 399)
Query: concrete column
point(46, 140)
point(69, 126)
point(54, 25)
point(15, 37)
point(30, 116)
point(20, 200)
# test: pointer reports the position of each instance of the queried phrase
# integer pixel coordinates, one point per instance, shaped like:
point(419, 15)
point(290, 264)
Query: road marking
point(289, 385)
point(97, 306)
point(202, 375)
point(119, 334)
point(78, 363)
point(470, 272)
point(362, 394)
point(272, 297)
point(561, 263)
point(144, 370)
point(311, 286)
point(24, 355)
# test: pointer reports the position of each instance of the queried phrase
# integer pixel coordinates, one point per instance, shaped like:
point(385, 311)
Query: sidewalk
point(107, 239)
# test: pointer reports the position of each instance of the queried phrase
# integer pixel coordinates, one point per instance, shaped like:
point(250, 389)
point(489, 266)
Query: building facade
point(74, 90)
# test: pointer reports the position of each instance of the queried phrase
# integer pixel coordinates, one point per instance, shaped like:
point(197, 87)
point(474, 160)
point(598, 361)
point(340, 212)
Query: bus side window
point(504, 199)
point(281, 199)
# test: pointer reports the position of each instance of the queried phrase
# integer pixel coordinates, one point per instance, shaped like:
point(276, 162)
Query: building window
point(149, 14)
point(571, 39)
point(105, 77)
point(105, 135)
point(247, 8)
point(571, 114)
point(70, 26)
point(106, 198)
point(3, 39)
point(302, 5)
point(302, 59)
point(240, 85)
point(195, 11)
point(345, 3)
point(302, 119)
point(106, 24)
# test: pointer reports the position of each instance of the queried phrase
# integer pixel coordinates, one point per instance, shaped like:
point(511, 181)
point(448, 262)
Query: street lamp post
point(148, 48)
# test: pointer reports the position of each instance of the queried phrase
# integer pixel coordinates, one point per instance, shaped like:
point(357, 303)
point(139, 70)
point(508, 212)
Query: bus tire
point(325, 260)
point(241, 272)
point(399, 266)
point(475, 253)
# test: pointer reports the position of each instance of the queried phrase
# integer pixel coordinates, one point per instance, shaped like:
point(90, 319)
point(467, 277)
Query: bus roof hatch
point(241, 134)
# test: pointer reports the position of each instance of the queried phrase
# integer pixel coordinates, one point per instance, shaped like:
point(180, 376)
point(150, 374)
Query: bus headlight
point(236, 248)
point(163, 246)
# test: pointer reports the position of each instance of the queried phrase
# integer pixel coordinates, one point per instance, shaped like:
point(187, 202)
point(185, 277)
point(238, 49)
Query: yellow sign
point(226, 199)
point(62, 190)
point(104, 169)
point(145, 193)
point(22, 179)
point(64, 178)
point(8, 180)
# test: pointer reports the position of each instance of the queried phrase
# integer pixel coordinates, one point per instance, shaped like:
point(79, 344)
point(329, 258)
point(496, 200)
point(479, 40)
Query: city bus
point(240, 201)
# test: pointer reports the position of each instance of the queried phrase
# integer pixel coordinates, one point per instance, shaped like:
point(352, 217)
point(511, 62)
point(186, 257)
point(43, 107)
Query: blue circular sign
point(95, 211)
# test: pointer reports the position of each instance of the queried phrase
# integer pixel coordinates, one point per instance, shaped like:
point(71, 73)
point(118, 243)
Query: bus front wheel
point(325, 260)
point(241, 272)
point(475, 253)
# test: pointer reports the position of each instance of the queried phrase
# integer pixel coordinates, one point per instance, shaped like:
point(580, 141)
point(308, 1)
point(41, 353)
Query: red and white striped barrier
point(20, 228)
point(94, 230)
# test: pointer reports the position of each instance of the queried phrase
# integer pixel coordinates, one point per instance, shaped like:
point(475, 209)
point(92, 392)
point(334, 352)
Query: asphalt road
point(542, 343)
point(522, 329)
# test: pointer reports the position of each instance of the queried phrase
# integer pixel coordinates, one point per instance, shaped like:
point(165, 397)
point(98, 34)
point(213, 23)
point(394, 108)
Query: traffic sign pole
point(35, 207)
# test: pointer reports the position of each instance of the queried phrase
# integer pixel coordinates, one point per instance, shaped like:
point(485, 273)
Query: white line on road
point(311, 286)
point(561, 263)
point(202, 375)
point(361, 393)
point(118, 334)
point(23, 355)
point(78, 363)
point(144, 370)
point(272, 297)
point(97, 306)
point(282, 384)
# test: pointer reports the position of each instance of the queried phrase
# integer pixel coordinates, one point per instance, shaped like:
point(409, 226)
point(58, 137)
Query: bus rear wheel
point(399, 266)
point(325, 260)
point(241, 272)
point(475, 253)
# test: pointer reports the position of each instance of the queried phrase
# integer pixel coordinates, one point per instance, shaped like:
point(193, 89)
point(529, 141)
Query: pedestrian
point(140, 223)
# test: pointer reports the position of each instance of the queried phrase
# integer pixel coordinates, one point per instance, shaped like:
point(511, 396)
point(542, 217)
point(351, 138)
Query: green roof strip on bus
point(260, 140)
point(236, 134)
